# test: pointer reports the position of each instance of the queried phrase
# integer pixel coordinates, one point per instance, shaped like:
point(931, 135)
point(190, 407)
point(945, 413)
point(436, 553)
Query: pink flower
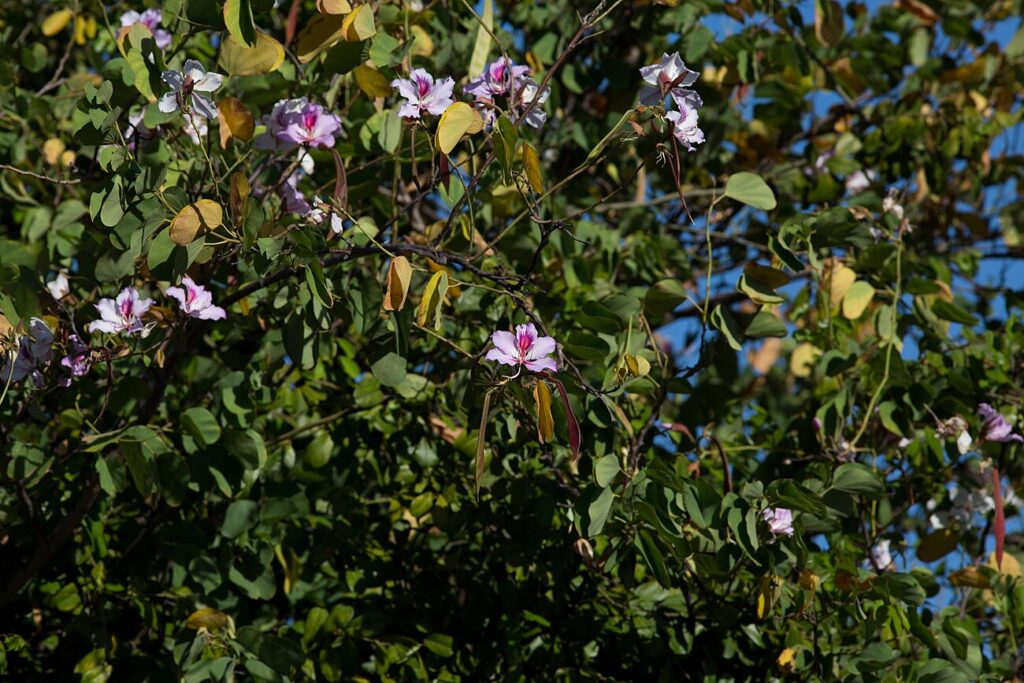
point(996, 427)
point(59, 287)
point(669, 75)
point(151, 19)
point(298, 122)
point(684, 126)
point(780, 521)
point(195, 300)
point(76, 363)
point(122, 315)
point(498, 78)
point(529, 92)
point(523, 348)
point(34, 352)
point(186, 86)
point(422, 94)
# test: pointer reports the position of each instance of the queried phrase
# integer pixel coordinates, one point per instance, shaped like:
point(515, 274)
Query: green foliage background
point(289, 494)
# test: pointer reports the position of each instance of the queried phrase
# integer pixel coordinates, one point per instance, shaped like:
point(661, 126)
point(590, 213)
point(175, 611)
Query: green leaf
point(239, 22)
point(316, 618)
point(482, 46)
point(663, 298)
point(439, 644)
point(390, 370)
point(855, 478)
point(605, 469)
point(240, 516)
point(795, 496)
point(750, 189)
point(723, 321)
point(506, 139)
point(599, 510)
point(201, 425)
point(765, 324)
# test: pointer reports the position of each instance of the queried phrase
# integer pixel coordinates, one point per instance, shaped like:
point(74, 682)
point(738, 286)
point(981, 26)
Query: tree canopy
point(442, 340)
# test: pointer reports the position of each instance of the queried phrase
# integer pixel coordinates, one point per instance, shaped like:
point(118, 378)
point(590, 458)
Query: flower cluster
point(34, 353)
point(669, 78)
point(151, 19)
point(297, 122)
point(123, 315)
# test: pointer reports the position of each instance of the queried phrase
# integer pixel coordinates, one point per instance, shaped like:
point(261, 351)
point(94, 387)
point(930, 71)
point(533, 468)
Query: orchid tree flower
point(669, 76)
point(880, 555)
point(151, 19)
point(76, 363)
point(499, 78)
point(996, 427)
point(858, 181)
point(297, 122)
point(322, 213)
point(122, 315)
point(780, 521)
point(59, 287)
point(197, 129)
point(524, 348)
point(195, 300)
point(423, 95)
point(34, 353)
point(530, 93)
point(684, 126)
point(187, 87)
point(955, 426)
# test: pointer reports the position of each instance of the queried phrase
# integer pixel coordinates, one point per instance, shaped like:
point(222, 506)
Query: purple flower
point(498, 78)
point(298, 122)
point(151, 19)
point(529, 92)
point(121, 315)
point(684, 126)
point(195, 300)
point(186, 86)
point(423, 95)
point(780, 521)
point(996, 427)
point(34, 352)
point(76, 363)
point(669, 75)
point(523, 348)
point(294, 200)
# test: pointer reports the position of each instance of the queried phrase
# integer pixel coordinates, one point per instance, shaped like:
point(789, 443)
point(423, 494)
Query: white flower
point(59, 286)
point(186, 86)
point(196, 135)
point(671, 73)
point(880, 555)
point(34, 352)
point(684, 126)
point(963, 442)
point(890, 205)
point(858, 181)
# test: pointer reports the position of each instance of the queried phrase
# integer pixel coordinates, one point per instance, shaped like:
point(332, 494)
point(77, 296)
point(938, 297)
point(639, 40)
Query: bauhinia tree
point(455, 341)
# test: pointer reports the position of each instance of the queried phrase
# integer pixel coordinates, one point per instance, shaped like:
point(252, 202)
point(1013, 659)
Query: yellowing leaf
point(857, 299)
point(56, 22)
point(321, 33)
point(424, 45)
point(768, 595)
point(359, 24)
point(238, 20)
point(801, 362)
point(482, 47)
point(638, 366)
point(333, 6)
point(208, 618)
point(786, 661)
point(433, 298)
point(240, 191)
point(85, 29)
point(531, 165)
point(264, 57)
point(457, 120)
point(837, 280)
point(371, 81)
point(53, 149)
point(1010, 566)
point(399, 274)
point(545, 422)
point(195, 219)
point(236, 121)
point(970, 576)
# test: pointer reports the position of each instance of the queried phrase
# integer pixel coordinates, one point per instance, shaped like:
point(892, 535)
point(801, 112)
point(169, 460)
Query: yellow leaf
point(264, 57)
point(433, 297)
point(857, 299)
point(399, 274)
point(809, 580)
point(56, 22)
point(195, 219)
point(371, 81)
point(970, 576)
point(1010, 567)
point(801, 362)
point(483, 41)
point(240, 191)
point(787, 661)
point(424, 45)
point(85, 29)
point(836, 280)
point(53, 149)
point(333, 6)
point(67, 158)
point(321, 33)
point(771, 589)
point(457, 120)
point(236, 121)
point(638, 366)
point(545, 422)
point(531, 165)
point(359, 24)
point(208, 618)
